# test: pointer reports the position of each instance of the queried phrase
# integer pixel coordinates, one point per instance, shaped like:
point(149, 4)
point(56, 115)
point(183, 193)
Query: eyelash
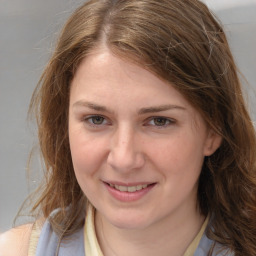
point(167, 121)
point(89, 120)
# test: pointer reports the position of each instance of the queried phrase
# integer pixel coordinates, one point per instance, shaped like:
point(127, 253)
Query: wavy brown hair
point(181, 42)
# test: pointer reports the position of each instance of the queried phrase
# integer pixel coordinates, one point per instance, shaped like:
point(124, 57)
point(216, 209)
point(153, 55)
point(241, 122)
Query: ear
point(213, 142)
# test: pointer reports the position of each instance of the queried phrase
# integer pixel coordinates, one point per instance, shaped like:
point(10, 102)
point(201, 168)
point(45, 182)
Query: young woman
point(147, 144)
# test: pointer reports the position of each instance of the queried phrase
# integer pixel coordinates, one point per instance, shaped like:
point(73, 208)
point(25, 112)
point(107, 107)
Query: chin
point(130, 221)
point(129, 225)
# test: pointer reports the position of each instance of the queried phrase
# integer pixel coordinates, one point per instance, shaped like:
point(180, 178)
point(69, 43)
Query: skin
point(15, 241)
point(127, 143)
point(126, 126)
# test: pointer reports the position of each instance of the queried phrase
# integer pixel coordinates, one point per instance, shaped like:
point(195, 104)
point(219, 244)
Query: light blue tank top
point(74, 245)
point(48, 243)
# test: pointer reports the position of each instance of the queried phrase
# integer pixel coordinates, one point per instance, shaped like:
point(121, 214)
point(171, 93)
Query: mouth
point(128, 192)
point(130, 189)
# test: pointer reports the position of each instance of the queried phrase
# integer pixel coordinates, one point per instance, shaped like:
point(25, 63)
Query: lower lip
point(128, 196)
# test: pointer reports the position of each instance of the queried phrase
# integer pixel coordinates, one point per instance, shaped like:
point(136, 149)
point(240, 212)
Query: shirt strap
point(34, 237)
point(193, 246)
point(91, 245)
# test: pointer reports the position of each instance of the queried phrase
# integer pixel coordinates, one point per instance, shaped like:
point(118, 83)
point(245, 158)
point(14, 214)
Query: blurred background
point(28, 30)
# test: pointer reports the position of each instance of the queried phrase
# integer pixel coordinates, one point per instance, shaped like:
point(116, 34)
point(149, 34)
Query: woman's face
point(137, 145)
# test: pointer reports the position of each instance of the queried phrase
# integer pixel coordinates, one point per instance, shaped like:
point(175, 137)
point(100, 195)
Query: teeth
point(123, 188)
point(139, 187)
point(128, 189)
point(132, 189)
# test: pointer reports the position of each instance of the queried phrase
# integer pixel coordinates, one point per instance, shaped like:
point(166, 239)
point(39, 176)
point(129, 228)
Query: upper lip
point(128, 184)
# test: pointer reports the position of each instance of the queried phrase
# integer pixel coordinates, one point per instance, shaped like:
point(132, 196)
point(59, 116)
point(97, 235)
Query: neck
point(172, 234)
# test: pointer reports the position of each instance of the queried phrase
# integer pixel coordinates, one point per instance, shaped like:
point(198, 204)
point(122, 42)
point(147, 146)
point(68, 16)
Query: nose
point(125, 153)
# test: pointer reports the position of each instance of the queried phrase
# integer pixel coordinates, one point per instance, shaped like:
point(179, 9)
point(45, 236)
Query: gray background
point(28, 29)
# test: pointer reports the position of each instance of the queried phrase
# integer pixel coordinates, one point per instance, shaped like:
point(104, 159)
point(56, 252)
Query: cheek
point(180, 156)
point(81, 155)
point(87, 153)
point(84, 157)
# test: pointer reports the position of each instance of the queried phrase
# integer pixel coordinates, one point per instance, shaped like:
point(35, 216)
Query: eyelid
point(88, 117)
point(170, 121)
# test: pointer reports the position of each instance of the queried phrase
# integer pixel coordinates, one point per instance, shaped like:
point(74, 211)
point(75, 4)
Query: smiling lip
point(128, 192)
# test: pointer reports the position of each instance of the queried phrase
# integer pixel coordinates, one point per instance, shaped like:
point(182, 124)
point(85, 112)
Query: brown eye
point(160, 121)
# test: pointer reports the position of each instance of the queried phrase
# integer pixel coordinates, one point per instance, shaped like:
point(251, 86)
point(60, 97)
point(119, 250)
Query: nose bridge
point(125, 154)
point(124, 139)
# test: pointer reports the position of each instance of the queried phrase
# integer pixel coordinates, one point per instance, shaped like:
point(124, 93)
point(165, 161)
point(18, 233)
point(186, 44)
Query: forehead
point(124, 88)
point(103, 73)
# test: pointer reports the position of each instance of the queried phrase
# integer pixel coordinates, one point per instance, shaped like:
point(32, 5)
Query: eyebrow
point(153, 109)
point(159, 109)
point(91, 105)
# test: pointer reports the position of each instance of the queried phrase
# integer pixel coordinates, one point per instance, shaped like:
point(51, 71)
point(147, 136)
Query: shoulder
point(15, 241)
